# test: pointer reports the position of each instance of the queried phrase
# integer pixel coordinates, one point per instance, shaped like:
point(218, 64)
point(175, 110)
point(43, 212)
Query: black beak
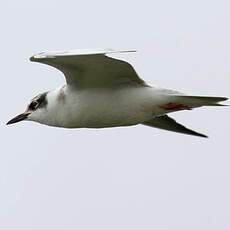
point(18, 118)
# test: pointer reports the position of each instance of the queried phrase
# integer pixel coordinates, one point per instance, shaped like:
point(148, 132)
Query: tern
point(102, 91)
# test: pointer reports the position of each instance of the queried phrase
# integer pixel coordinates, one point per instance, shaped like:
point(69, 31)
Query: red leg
point(174, 106)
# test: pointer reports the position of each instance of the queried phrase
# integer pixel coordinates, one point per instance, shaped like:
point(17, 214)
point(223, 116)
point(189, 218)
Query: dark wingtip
point(194, 133)
point(32, 58)
point(202, 135)
point(224, 99)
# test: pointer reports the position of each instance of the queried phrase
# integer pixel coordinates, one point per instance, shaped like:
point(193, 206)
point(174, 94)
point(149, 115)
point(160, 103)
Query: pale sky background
point(120, 178)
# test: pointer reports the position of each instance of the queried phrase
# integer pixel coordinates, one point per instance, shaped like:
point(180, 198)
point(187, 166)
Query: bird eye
point(33, 105)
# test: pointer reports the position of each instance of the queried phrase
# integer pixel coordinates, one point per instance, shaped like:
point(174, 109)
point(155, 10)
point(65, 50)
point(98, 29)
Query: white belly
point(108, 108)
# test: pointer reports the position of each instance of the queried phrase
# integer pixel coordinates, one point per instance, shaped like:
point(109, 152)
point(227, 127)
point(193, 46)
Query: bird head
point(35, 111)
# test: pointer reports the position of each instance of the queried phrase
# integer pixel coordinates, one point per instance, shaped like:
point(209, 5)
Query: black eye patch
point(39, 101)
point(42, 100)
point(33, 105)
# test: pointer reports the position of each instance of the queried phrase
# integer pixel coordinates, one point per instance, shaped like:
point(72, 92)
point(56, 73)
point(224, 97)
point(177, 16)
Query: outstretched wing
point(87, 68)
point(167, 123)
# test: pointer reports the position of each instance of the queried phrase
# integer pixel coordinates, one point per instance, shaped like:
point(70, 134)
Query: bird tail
point(179, 102)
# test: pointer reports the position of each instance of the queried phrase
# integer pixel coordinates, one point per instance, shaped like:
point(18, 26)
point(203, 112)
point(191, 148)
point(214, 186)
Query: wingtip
point(224, 98)
point(194, 133)
point(32, 58)
point(35, 57)
point(48, 55)
point(202, 135)
point(111, 51)
point(38, 57)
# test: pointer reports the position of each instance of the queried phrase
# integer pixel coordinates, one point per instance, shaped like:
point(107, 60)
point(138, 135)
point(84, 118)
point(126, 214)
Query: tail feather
point(197, 101)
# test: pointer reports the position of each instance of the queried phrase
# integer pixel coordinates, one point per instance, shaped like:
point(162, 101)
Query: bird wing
point(87, 68)
point(167, 123)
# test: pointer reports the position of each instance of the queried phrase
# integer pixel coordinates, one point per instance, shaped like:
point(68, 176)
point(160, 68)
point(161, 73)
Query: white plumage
point(105, 92)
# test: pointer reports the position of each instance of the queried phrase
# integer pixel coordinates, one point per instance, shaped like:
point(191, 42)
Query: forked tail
point(180, 102)
point(197, 101)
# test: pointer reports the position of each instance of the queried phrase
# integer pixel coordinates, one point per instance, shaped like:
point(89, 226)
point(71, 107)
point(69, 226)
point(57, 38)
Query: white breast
point(96, 108)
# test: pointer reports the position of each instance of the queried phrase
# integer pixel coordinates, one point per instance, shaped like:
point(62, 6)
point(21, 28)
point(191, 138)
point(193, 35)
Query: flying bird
point(102, 91)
